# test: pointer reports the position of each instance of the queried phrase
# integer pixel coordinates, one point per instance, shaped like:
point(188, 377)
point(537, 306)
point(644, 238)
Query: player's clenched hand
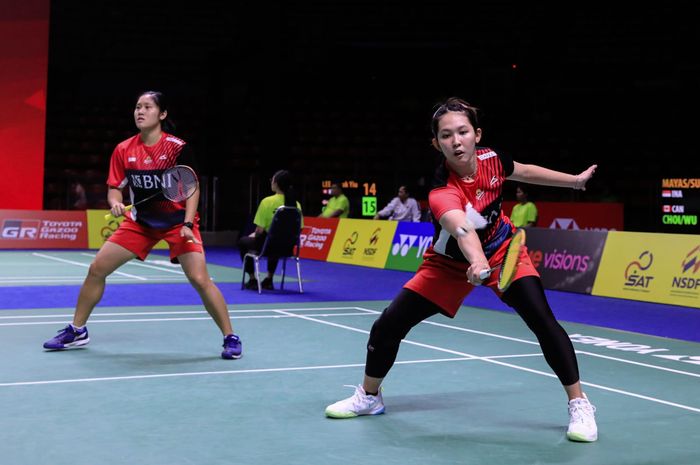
point(188, 235)
point(117, 209)
point(475, 270)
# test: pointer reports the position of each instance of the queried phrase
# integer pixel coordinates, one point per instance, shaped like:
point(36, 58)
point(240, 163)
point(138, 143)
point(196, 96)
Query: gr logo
point(406, 241)
point(20, 229)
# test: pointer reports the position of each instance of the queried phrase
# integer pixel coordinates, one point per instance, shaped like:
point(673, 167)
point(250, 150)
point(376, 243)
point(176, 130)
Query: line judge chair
point(282, 241)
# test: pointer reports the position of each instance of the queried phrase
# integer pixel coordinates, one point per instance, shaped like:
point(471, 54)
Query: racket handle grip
point(109, 215)
point(484, 274)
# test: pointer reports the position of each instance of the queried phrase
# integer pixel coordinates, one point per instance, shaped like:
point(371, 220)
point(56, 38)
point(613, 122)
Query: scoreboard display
point(365, 191)
point(680, 205)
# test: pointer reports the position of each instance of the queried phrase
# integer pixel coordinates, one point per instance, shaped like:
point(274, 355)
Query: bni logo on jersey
point(20, 229)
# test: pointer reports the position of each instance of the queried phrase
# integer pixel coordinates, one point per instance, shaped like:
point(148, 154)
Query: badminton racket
point(510, 262)
point(177, 184)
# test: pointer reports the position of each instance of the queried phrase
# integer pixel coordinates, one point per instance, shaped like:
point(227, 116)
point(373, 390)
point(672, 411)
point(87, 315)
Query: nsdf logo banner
point(362, 242)
point(662, 268)
point(36, 229)
point(408, 245)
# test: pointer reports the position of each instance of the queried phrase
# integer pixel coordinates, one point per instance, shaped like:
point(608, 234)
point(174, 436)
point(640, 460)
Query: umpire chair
point(282, 241)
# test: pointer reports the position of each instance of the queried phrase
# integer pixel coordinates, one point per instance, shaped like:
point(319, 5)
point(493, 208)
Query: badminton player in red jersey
point(472, 235)
point(135, 165)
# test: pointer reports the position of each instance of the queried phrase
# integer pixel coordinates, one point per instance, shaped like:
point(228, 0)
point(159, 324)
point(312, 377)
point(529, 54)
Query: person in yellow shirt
point(284, 194)
point(338, 205)
point(524, 212)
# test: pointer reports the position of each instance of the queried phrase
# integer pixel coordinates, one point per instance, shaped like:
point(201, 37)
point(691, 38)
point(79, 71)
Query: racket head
point(179, 183)
point(510, 261)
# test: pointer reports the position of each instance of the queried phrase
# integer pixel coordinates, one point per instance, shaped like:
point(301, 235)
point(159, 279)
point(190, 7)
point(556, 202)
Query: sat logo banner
point(662, 268)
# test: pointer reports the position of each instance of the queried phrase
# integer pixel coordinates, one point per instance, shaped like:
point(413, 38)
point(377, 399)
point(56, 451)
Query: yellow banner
point(663, 268)
point(100, 229)
point(362, 242)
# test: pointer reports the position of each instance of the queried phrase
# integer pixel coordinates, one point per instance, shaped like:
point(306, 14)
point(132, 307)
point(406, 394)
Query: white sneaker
point(582, 425)
point(359, 404)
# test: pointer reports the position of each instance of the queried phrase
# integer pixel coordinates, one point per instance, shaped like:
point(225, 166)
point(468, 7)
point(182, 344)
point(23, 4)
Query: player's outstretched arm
point(535, 174)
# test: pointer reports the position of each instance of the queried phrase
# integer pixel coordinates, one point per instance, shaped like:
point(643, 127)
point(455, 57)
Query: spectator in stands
point(524, 212)
point(78, 197)
point(401, 208)
point(284, 194)
point(338, 205)
point(472, 236)
point(137, 164)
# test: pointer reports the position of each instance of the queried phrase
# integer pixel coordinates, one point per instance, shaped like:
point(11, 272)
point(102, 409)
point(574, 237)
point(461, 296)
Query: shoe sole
point(345, 415)
point(232, 357)
point(577, 437)
point(70, 345)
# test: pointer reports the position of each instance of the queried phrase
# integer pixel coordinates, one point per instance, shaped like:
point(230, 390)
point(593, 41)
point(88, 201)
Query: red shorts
point(140, 239)
point(444, 282)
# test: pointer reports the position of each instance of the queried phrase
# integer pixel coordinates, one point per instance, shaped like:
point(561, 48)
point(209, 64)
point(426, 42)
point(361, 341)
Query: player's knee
point(199, 280)
point(98, 270)
point(384, 333)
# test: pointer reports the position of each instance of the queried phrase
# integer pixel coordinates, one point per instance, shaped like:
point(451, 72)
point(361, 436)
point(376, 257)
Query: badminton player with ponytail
point(147, 166)
point(474, 244)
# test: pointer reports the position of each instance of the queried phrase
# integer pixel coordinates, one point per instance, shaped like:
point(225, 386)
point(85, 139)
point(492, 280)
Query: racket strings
point(183, 183)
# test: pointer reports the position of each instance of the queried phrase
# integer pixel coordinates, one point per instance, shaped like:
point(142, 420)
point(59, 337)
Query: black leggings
point(525, 295)
point(247, 244)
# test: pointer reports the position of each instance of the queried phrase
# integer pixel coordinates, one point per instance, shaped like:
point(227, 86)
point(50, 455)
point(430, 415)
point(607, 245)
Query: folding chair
point(282, 241)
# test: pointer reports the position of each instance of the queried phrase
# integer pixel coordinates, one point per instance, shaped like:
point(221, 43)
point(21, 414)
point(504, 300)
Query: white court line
point(516, 367)
point(192, 318)
point(462, 355)
point(71, 262)
point(184, 312)
point(252, 370)
point(71, 279)
point(366, 311)
point(135, 263)
point(226, 372)
point(525, 341)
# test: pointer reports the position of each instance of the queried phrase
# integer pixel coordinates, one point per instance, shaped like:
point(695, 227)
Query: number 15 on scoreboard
point(369, 206)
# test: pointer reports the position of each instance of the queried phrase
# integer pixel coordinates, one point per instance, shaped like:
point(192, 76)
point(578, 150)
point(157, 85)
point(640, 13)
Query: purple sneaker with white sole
point(68, 338)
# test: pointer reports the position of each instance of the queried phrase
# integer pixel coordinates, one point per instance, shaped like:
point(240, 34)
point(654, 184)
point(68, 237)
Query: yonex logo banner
point(567, 260)
point(650, 267)
point(36, 229)
point(408, 245)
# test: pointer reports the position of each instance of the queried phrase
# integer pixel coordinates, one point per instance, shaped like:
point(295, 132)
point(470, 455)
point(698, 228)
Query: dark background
point(345, 90)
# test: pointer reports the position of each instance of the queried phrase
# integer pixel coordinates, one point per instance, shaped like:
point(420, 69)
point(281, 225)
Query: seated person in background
point(401, 208)
point(78, 196)
point(524, 212)
point(284, 194)
point(338, 205)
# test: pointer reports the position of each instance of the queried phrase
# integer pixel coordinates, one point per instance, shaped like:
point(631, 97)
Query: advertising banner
point(566, 260)
point(607, 216)
point(317, 237)
point(409, 243)
point(100, 229)
point(663, 268)
point(24, 60)
point(37, 229)
point(362, 242)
